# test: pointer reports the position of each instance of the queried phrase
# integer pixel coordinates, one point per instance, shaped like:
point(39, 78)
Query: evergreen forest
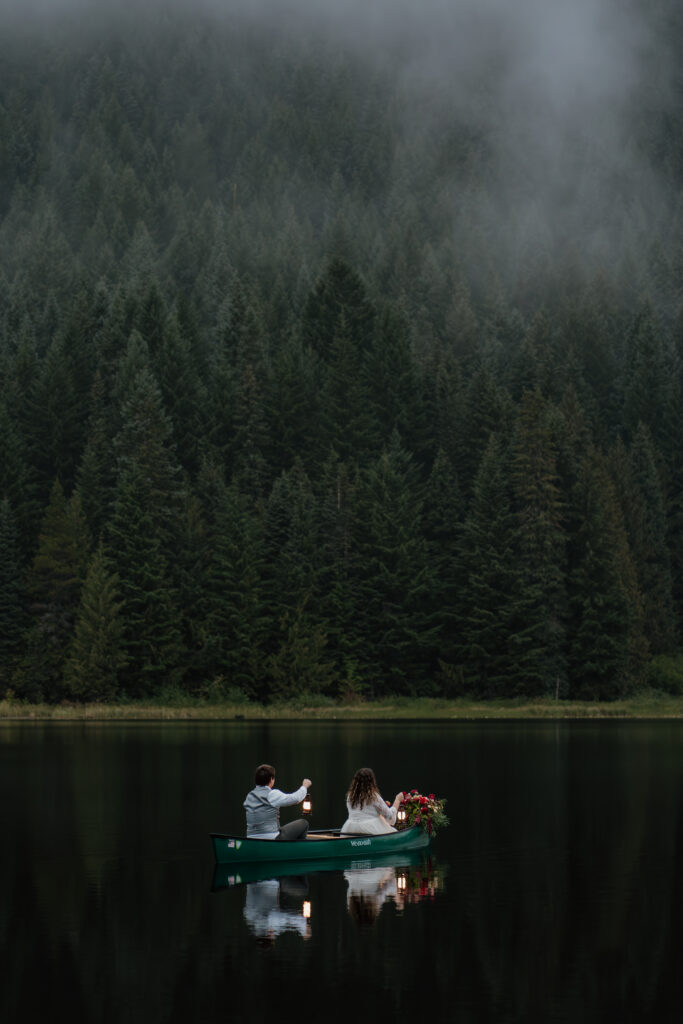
point(333, 365)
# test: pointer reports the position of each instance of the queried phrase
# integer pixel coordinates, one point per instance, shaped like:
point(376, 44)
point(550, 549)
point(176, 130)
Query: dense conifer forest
point(327, 368)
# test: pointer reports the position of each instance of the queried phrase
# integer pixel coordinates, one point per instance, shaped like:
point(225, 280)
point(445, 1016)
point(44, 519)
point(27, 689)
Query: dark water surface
point(555, 895)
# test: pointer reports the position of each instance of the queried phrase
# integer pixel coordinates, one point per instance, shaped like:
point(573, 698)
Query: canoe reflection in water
point(277, 898)
point(266, 918)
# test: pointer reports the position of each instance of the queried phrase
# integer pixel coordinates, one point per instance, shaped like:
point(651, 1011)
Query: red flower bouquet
point(425, 811)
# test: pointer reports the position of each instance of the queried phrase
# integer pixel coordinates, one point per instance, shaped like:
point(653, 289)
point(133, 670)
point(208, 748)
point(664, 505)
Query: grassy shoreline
point(647, 705)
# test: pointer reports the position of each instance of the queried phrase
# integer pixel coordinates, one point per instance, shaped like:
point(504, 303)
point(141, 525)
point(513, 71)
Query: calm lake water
point(555, 895)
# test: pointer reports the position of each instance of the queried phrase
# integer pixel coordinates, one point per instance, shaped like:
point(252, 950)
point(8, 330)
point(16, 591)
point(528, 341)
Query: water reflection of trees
point(560, 909)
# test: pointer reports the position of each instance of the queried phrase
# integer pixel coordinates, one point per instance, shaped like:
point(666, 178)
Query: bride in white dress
point(368, 812)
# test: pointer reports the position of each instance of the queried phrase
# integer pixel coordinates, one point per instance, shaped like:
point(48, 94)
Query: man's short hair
point(264, 773)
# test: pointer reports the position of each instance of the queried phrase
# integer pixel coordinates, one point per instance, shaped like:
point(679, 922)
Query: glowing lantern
point(306, 909)
point(307, 805)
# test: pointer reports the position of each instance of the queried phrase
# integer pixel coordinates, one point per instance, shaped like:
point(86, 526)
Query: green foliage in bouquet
point(425, 811)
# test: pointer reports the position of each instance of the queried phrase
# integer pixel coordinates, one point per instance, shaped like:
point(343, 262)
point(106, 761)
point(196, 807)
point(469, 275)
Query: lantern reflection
point(415, 884)
point(306, 909)
point(370, 887)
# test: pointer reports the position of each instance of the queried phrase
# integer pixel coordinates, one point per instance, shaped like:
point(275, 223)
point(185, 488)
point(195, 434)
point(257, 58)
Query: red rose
point(405, 792)
point(413, 791)
point(432, 797)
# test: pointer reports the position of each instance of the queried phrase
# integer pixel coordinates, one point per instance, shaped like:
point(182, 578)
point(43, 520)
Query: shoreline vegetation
point(646, 705)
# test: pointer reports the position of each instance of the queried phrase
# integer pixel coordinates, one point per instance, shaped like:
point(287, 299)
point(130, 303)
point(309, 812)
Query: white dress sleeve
point(386, 812)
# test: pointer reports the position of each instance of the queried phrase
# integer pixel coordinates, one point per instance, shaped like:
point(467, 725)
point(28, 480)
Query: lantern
point(306, 909)
point(307, 805)
point(401, 815)
point(401, 883)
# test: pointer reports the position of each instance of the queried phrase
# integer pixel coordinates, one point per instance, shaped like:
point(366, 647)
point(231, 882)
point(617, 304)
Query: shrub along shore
point(647, 705)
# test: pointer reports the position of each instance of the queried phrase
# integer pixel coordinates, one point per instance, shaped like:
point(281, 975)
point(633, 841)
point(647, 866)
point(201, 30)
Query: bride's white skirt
point(368, 824)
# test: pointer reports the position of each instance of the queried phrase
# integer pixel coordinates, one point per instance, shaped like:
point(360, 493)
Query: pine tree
point(183, 393)
point(250, 442)
point(649, 377)
point(17, 483)
point(391, 381)
point(235, 624)
point(60, 563)
point(55, 439)
point(300, 664)
point(603, 625)
point(145, 442)
point(291, 580)
point(54, 586)
point(397, 580)
point(291, 540)
point(485, 410)
point(487, 596)
point(12, 616)
point(143, 537)
point(294, 407)
point(347, 424)
point(338, 295)
point(539, 639)
point(96, 655)
point(339, 573)
point(192, 573)
point(442, 527)
point(97, 471)
point(244, 352)
point(445, 406)
point(138, 550)
point(642, 500)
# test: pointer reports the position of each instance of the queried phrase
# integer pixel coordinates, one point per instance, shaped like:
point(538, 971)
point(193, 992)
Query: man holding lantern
point(263, 805)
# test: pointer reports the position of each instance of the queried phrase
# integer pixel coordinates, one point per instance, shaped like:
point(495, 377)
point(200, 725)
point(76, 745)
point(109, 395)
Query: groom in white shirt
point(263, 805)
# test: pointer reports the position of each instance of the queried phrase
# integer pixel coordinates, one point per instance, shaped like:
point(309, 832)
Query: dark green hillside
point(326, 369)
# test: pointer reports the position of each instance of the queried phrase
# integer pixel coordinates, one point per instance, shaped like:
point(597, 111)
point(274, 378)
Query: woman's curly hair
point(363, 788)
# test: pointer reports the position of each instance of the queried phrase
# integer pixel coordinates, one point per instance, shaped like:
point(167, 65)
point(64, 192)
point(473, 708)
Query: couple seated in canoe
point(368, 814)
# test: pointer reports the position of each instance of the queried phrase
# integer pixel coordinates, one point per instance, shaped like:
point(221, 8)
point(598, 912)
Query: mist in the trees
point(346, 340)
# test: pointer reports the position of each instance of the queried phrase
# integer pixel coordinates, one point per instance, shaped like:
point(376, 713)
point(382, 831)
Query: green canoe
point(318, 845)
